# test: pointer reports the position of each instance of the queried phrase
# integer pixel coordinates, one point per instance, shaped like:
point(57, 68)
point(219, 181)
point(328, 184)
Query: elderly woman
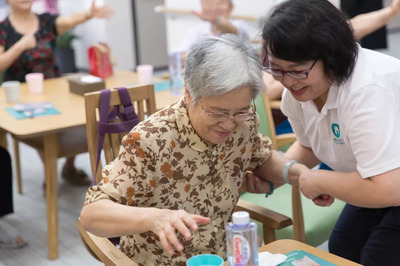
point(174, 185)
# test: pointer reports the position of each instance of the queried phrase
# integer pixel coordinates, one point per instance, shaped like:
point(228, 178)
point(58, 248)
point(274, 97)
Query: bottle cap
point(241, 218)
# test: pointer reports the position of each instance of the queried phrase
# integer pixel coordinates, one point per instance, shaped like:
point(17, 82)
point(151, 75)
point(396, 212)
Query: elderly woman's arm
point(108, 219)
point(65, 23)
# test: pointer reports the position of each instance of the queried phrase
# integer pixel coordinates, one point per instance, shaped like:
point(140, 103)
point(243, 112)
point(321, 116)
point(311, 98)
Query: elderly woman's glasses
point(281, 73)
point(221, 117)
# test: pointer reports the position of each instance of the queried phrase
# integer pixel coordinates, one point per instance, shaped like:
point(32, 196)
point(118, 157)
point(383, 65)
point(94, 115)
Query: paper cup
point(11, 89)
point(34, 82)
point(205, 260)
point(145, 73)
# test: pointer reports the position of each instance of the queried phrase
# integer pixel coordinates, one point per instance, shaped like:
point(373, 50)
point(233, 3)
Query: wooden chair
point(71, 143)
point(143, 97)
point(320, 221)
point(267, 127)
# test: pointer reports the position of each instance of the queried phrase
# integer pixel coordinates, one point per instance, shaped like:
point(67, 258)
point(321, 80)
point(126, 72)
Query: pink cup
point(145, 73)
point(35, 82)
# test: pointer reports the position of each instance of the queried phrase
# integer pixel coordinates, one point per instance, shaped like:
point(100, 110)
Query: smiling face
point(210, 130)
point(315, 87)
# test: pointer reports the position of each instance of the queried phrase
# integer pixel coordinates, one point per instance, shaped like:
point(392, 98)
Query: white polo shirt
point(359, 126)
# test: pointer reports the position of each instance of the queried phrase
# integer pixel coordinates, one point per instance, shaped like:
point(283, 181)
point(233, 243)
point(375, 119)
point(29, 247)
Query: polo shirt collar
point(331, 101)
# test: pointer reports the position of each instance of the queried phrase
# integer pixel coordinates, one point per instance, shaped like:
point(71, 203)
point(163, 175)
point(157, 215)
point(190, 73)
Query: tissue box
point(85, 83)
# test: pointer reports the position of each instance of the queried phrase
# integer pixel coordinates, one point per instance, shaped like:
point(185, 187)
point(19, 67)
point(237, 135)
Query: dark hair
point(302, 30)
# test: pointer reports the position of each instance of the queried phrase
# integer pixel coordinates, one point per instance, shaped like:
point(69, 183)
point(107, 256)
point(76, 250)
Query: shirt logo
point(336, 131)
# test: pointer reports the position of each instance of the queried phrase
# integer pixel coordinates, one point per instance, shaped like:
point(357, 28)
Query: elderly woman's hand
point(104, 11)
point(254, 184)
point(167, 222)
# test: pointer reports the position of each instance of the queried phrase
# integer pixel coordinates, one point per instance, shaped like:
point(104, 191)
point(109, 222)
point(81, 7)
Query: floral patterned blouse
point(39, 59)
point(163, 163)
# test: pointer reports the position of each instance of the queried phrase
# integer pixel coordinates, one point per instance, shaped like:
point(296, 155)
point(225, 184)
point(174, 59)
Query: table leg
point(50, 163)
point(3, 138)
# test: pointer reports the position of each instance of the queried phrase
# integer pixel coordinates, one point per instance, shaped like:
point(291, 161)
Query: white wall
point(117, 32)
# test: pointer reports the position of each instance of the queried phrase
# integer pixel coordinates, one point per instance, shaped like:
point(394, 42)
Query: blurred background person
point(216, 21)
point(369, 19)
point(27, 44)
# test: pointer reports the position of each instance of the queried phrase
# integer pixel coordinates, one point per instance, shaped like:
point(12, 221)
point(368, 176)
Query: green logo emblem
point(336, 130)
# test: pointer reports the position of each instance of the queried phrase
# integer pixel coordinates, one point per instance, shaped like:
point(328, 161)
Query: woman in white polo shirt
point(343, 103)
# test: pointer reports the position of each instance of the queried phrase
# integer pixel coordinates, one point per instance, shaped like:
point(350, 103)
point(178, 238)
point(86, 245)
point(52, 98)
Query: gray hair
point(217, 65)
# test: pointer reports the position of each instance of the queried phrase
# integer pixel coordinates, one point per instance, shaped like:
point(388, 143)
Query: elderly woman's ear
point(188, 97)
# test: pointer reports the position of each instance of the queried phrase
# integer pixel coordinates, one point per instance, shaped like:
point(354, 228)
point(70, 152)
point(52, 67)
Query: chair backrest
point(144, 100)
point(145, 104)
point(267, 127)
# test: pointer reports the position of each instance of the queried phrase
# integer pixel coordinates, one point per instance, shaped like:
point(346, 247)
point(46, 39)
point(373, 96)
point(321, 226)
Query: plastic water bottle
point(241, 239)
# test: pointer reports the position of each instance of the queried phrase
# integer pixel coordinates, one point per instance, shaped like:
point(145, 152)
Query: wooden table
point(72, 115)
point(284, 246)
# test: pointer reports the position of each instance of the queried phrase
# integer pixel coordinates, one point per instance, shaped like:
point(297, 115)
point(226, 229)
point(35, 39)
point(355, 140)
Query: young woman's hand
point(323, 200)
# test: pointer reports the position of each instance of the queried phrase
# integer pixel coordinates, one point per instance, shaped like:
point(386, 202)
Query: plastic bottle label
point(241, 250)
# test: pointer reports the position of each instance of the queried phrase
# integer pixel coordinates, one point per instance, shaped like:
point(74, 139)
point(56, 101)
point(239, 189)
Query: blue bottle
point(241, 239)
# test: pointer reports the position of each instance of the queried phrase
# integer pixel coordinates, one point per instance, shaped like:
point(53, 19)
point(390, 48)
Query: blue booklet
point(303, 258)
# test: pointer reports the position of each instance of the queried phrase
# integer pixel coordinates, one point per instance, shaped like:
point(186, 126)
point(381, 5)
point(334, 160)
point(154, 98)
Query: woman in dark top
point(27, 43)
point(27, 40)
point(39, 59)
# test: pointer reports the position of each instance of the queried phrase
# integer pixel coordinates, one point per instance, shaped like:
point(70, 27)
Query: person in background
point(378, 38)
point(27, 44)
point(172, 188)
point(343, 103)
point(216, 21)
point(9, 236)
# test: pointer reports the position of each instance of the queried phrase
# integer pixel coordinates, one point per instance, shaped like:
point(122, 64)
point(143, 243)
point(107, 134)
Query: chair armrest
point(275, 104)
point(287, 138)
point(263, 215)
point(103, 249)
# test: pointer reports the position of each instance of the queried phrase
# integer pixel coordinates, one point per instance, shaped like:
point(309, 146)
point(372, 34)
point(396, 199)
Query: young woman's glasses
point(222, 117)
point(281, 73)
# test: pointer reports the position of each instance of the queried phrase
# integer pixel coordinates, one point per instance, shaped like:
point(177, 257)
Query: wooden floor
point(30, 217)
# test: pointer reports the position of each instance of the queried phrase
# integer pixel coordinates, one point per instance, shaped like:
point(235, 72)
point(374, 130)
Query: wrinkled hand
point(28, 41)
point(324, 200)
point(254, 184)
point(209, 10)
point(168, 222)
point(104, 11)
